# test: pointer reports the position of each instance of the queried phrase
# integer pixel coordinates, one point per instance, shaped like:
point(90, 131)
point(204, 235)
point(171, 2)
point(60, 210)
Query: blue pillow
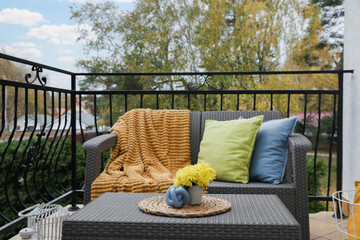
point(269, 158)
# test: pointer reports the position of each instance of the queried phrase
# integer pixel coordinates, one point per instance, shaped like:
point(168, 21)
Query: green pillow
point(227, 146)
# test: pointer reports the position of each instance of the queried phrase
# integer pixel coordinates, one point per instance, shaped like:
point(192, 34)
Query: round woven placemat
point(209, 206)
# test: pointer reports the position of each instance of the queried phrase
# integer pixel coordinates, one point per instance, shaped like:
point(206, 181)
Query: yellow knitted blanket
point(151, 146)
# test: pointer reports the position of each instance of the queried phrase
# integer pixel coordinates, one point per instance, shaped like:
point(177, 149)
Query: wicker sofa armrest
point(299, 145)
point(93, 149)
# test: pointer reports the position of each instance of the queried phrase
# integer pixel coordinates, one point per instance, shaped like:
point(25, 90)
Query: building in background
point(85, 121)
point(21, 122)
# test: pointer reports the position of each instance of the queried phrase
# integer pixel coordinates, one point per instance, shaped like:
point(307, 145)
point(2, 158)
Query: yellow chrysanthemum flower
point(199, 174)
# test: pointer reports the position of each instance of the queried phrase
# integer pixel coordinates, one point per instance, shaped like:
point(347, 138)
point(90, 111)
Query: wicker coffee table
point(117, 216)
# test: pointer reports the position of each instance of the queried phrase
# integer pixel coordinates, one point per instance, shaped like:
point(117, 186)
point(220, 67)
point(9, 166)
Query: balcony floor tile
point(323, 226)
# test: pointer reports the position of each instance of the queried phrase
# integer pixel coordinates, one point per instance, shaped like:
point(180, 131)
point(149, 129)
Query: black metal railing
point(42, 127)
point(33, 141)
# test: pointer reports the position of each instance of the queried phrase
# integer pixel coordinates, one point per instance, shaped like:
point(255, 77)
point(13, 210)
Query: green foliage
point(315, 206)
point(175, 36)
point(299, 127)
point(51, 173)
point(328, 124)
point(202, 35)
point(105, 156)
point(322, 45)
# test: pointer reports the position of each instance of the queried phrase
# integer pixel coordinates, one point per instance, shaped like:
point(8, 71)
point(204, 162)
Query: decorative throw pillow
point(270, 153)
point(227, 146)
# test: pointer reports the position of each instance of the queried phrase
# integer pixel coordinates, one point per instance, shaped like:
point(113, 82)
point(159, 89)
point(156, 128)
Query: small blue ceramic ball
point(177, 196)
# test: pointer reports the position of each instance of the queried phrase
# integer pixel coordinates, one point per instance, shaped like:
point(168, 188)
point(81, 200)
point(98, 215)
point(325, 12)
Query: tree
point(312, 53)
point(173, 36)
point(9, 71)
point(207, 35)
point(332, 20)
point(14, 72)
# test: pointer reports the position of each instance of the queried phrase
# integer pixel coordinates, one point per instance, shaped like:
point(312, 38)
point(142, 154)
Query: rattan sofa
point(292, 191)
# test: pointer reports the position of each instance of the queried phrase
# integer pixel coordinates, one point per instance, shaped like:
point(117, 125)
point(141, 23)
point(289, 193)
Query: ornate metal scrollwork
point(33, 152)
point(38, 70)
point(204, 79)
point(34, 149)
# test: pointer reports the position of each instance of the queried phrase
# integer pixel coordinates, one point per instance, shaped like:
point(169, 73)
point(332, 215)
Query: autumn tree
point(10, 71)
point(313, 52)
point(207, 35)
point(173, 36)
point(332, 19)
point(15, 72)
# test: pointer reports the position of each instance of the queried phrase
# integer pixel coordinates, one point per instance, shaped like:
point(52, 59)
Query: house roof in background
point(86, 118)
point(40, 118)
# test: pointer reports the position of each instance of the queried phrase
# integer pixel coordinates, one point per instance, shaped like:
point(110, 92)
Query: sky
point(41, 31)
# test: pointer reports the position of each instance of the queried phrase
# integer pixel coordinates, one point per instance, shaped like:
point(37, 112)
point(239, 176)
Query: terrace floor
point(322, 226)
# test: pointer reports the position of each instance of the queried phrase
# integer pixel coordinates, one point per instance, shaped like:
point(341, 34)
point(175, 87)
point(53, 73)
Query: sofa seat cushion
point(284, 188)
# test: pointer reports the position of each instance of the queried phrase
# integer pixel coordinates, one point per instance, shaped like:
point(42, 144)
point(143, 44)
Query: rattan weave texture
point(94, 148)
point(195, 137)
point(298, 147)
point(117, 216)
point(250, 188)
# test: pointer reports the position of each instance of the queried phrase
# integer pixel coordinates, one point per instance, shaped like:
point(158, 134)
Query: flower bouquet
point(194, 178)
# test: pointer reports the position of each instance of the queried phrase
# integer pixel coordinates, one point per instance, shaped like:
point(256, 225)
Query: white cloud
point(57, 34)
point(66, 59)
point(21, 52)
point(20, 16)
point(24, 44)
